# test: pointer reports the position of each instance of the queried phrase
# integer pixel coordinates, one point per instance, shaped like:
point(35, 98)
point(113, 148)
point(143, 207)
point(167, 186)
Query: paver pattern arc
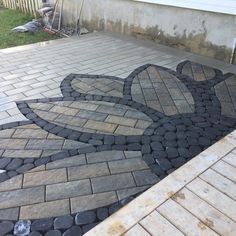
point(86, 153)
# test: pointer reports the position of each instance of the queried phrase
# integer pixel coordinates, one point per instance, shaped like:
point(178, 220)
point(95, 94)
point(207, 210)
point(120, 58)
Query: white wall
point(202, 32)
point(219, 6)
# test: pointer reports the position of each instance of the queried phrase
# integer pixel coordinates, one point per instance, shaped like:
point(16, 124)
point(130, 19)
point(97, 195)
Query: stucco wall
point(209, 34)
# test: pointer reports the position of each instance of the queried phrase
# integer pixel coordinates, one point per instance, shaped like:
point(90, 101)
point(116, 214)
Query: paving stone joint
point(168, 117)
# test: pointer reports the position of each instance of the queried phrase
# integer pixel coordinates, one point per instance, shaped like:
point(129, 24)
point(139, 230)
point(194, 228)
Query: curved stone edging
point(66, 225)
point(169, 142)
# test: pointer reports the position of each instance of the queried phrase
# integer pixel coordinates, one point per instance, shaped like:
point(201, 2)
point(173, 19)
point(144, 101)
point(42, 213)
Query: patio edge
point(132, 213)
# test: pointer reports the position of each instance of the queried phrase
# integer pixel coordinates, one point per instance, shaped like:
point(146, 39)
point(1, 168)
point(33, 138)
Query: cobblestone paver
point(82, 152)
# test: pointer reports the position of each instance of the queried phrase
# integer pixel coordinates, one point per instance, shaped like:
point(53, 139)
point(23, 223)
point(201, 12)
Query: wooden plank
point(230, 159)
point(40, 4)
point(184, 220)
point(29, 9)
point(157, 225)
point(30, 6)
point(33, 7)
point(205, 212)
point(220, 182)
point(225, 169)
point(21, 5)
point(25, 6)
point(36, 5)
point(137, 230)
point(214, 197)
point(7, 3)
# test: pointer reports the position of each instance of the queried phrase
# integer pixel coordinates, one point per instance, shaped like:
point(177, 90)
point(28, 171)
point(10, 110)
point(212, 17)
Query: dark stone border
point(16, 166)
point(15, 124)
point(194, 132)
point(167, 144)
point(66, 225)
point(76, 135)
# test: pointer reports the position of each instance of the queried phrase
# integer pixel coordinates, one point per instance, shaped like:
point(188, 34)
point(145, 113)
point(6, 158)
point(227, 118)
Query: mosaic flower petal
point(93, 117)
point(198, 72)
point(225, 91)
point(162, 91)
point(95, 85)
point(98, 86)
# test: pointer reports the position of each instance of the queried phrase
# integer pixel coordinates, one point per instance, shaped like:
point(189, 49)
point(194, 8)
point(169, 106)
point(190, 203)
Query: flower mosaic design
point(170, 117)
point(116, 137)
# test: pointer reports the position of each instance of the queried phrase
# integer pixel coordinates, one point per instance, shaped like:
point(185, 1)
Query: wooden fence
point(28, 6)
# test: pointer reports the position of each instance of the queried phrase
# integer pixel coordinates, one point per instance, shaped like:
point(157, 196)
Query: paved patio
point(90, 123)
point(197, 199)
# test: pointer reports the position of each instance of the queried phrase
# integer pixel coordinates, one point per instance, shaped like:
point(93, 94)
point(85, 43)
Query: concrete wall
point(209, 34)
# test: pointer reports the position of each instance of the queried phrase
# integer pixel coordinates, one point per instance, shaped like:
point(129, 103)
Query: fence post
point(27, 6)
point(23, 6)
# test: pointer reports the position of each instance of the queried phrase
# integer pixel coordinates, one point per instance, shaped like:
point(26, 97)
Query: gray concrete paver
point(71, 185)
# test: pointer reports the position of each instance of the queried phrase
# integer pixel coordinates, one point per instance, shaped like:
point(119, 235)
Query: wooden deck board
point(225, 169)
point(158, 225)
point(137, 230)
point(181, 218)
point(231, 158)
point(220, 182)
point(214, 197)
point(210, 216)
point(197, 199)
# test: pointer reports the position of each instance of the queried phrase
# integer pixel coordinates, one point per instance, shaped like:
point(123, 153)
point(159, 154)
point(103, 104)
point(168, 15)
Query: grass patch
point(12, 18)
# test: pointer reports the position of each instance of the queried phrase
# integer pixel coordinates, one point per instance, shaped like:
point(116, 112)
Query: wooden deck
point(197, 199)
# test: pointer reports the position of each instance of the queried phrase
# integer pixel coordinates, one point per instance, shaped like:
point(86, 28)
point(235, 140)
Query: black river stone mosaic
point(168, 143)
